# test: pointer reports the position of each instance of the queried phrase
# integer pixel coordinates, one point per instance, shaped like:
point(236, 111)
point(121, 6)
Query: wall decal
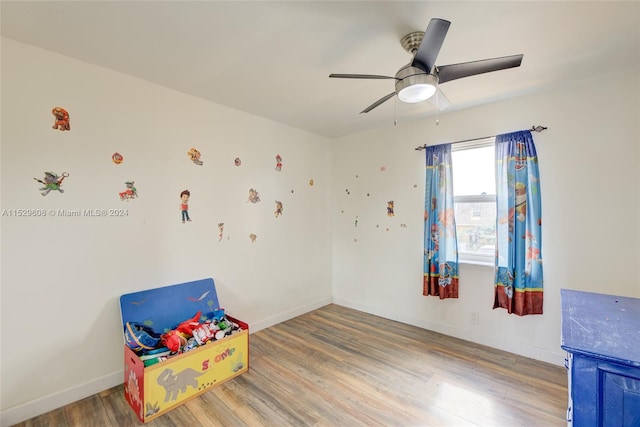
point(117, 158)
point(194, 155)
point(130, 193)
point(347, 191)
point(311, 182)
point(220, 230)
point(390, 208)
point(279, 208)
point(383, 168)
point(61, 119)
point(254, 197)
point(52, 182)
point(184, 205)
point(403, 225)
point(253, 237)
point(278, 163)
point(356, 221)
point(237, 161)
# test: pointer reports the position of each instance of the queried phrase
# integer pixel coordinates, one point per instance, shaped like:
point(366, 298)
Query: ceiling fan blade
point(360, 76)
point(439, 100)
point(378, 102)
point(446, 73)
point(425, 57)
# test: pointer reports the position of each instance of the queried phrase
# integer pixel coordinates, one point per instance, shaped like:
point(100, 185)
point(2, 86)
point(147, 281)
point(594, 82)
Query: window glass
point(475, 207)
point(474, 171)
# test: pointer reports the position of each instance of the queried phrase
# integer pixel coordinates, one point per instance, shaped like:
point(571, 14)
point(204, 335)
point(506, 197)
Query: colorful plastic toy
point(140, 337)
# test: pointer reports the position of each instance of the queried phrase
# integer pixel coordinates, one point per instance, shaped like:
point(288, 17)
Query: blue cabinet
point(601, 334)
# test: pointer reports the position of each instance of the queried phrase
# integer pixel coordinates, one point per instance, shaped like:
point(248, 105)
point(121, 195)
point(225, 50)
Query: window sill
point(477, 263)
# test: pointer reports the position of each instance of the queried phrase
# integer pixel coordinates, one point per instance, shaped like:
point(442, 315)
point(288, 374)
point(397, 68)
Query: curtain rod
point(534, 128)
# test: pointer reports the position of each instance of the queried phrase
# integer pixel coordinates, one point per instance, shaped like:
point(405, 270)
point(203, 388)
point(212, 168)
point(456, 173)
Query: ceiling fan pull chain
point(395, 111)
point(437, 109)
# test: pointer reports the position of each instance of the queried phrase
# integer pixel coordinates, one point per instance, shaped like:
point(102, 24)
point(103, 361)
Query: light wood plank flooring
point(340, 367)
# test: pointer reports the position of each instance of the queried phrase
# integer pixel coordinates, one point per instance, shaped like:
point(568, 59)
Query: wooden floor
point(339, 367)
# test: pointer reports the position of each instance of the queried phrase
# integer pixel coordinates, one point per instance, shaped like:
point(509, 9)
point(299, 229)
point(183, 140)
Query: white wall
point(62, 276)
point(589, 161)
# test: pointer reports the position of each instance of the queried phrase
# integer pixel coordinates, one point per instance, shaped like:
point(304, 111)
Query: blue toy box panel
point(163, 309)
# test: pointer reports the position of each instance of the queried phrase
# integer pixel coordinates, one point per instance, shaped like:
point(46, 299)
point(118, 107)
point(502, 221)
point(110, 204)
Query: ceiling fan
point(418, 81)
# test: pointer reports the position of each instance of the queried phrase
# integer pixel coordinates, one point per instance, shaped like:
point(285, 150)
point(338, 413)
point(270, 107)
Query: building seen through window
point(474, 191)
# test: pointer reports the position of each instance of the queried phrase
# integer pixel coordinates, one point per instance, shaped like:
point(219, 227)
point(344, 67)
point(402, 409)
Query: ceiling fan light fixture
point(416, 88)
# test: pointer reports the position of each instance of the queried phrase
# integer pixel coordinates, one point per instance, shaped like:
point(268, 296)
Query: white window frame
point(471, 257)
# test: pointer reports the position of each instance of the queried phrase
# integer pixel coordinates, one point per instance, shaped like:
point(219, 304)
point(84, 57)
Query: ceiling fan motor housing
point(415, 85)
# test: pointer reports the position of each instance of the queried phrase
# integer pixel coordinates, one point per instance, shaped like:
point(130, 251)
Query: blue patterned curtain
point(518, 281)
point(440, 243)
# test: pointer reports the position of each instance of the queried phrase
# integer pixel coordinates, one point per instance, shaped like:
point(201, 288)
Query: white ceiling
point(272, 59)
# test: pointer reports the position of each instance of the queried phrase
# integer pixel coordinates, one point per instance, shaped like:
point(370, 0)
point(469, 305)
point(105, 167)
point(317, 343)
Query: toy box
point(153, 390)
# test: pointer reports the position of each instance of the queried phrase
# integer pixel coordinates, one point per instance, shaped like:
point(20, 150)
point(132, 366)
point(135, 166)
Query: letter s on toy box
point(179, 343)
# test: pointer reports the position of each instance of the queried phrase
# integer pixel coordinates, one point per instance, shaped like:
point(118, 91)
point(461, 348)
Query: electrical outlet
point(475, 317)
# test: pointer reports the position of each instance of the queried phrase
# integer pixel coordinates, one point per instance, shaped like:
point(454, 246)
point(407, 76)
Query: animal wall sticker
point(390, 208)
point(52, 182)
point(195, 155)
point(61, 119)
point(130, 192)
point(184, 205)
point(220, 230)
point(237, 161)
point(254, 197)
point(279, 208)
point(278, 163)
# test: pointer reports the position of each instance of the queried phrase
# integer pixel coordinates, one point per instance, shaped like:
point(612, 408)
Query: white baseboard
point(48, 403)
point(27, 410)
point(544, 355)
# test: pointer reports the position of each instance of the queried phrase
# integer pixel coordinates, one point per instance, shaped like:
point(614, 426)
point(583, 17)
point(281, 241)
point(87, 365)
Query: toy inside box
point(179, 343)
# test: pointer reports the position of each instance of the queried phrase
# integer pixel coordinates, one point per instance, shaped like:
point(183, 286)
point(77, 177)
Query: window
point(474, 191)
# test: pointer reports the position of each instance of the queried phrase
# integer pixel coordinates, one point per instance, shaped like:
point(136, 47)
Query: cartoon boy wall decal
point(184, 205)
